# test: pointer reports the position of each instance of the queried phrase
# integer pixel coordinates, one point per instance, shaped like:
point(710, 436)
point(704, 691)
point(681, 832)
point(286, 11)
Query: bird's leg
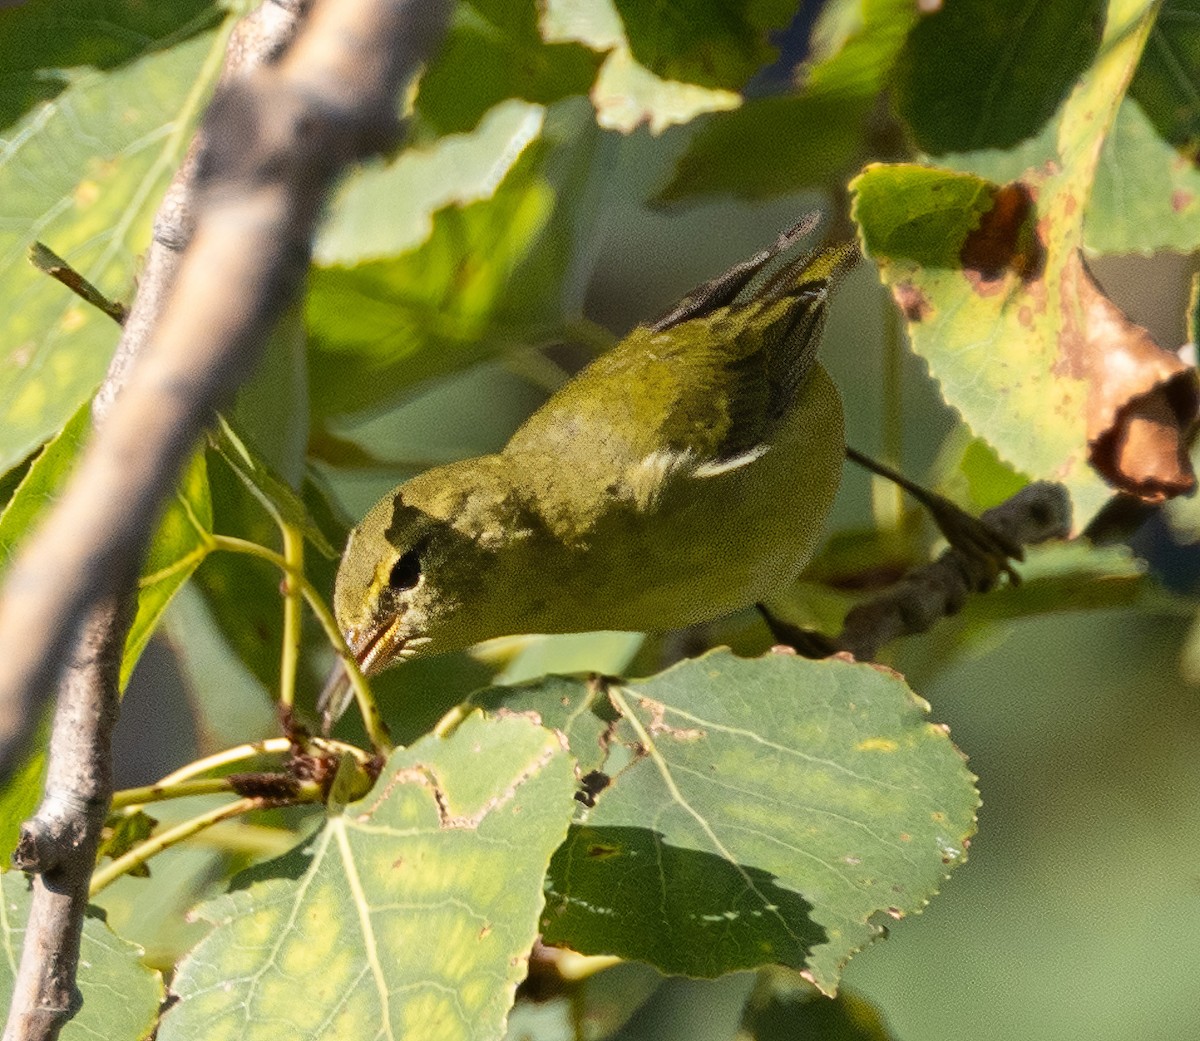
point(808, 643)
point(970, 535)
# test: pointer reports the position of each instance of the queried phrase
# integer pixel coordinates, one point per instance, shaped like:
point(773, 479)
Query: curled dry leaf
point(1142, 399)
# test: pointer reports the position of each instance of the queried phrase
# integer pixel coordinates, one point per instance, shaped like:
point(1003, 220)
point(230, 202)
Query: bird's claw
point(986, 547)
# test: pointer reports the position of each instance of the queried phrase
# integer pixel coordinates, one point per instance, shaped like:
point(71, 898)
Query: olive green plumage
point(682, 475)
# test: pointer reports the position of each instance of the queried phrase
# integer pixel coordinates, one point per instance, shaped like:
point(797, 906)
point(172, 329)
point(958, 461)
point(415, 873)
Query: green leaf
point(271, 408)
point(759, 811)
point(493, 52)
point(989, 279)
point(279, 500)
point(20, 795)
point(1167, 82)
point(227, 701)
point(411, 913)
point(713, 43)
point(626, 94)
point(379, 328)
point(84, 172)
point(976, 74)
point(181, 541)
point(456, 169)
point(784, 1006)
point(120, 996)
point(771, 146)
point(42, 483)
point(1147, 193)
point(44, 50)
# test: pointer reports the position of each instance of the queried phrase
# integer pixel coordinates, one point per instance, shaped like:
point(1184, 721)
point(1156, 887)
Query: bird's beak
point(374, 646)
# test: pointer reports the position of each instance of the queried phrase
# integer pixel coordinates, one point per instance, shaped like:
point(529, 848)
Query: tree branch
point(230, 250)
point(1038, 512)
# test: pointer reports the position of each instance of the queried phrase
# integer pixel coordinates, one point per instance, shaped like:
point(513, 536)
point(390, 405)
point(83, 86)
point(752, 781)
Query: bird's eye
point(406, 572)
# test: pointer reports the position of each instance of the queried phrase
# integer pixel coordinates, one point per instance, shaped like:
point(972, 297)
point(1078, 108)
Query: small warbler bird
point(681, 476)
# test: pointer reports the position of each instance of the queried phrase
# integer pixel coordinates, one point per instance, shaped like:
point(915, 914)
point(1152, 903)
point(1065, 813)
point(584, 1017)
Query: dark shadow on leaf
point(43, 42)
point(625, 891)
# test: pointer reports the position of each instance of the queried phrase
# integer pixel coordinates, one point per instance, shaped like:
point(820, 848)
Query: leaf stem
point(237, 754)
point(105, 876)
point(293, 605)
point(50, 263)
point(130, 797)
point(372, 719)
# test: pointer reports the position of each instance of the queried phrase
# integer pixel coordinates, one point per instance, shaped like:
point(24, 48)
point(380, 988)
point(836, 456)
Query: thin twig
point(109, 873)
point(293, 602)
point(372, 718)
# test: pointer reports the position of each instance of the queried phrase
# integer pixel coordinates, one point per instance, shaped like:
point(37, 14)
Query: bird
point(682, 475)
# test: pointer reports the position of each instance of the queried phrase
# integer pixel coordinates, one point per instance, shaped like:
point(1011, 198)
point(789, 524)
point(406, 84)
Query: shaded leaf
point(45, 49)
point(271, 408)
point(784, 1006)
point(120, 995)
point(997, 299)
point(84, 172)
point(626, 94)
point(493, 52)
point(814, 136)
point(381, 327)
point(713, 43)
point(411, 912)
point(122, 833)
point(1167, 82)
point(759, 811)
point(227, 702)
point(976, 74)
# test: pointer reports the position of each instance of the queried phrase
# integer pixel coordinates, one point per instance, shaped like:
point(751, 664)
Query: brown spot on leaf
point(912, 302)
point(1005, 240)
point(1142, 400)
point(1181, 200)
point(1025, 316)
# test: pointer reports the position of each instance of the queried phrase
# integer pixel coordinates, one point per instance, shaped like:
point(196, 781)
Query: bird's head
point(423, 572)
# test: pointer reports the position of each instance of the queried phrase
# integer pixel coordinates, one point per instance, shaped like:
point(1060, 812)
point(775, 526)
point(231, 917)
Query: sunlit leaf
point(83, 170)
point(120, 995)
point(627, 94)
point(410, 913)
point(749, 812)
point(181, 541)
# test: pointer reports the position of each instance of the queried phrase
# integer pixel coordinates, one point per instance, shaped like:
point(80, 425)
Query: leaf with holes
point(411, 913)
point(748, 812)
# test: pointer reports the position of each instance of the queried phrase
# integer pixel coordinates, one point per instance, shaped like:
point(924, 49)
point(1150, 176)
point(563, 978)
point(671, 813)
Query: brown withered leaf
point(1142, 399)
